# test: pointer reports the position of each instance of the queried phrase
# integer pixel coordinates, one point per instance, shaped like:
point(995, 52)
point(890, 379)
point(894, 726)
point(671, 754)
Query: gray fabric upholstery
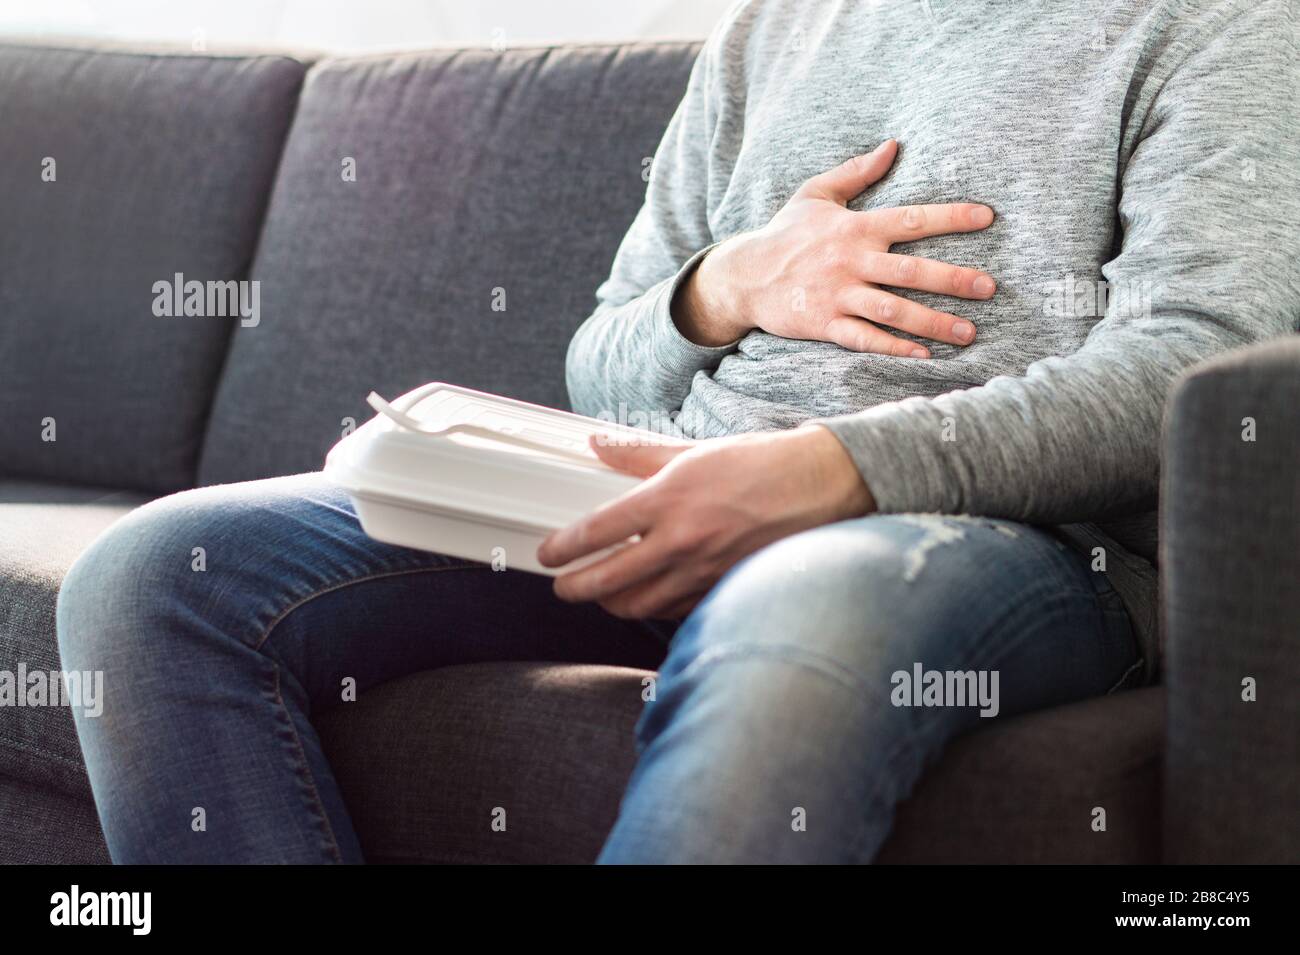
point(1024, 790)
point(163, 165)
point(1231, 565)
point(552, 744)
point(475, 171)
point(43, 527)
point(41, 825)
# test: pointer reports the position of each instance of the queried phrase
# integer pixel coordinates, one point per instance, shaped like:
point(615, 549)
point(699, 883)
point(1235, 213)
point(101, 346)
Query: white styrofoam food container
point(475, 475)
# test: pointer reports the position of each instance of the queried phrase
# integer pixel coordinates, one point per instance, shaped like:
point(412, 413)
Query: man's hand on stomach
point(814, 272)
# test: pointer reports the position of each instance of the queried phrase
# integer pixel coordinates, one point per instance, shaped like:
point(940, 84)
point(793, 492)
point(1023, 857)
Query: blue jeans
point(224, 617)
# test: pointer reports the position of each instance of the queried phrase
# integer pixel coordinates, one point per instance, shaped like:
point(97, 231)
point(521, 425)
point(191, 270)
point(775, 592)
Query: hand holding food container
point(475, 475)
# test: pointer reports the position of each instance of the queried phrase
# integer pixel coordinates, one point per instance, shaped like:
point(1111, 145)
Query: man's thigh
point(282, 567)
point(821, 676)
point(870, 600)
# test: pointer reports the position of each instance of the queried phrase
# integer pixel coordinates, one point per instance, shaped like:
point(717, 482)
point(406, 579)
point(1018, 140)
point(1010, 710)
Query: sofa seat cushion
point(425, 760)
point(43, 528)
point(119, 171)
point(1025, 789)
point(437, 216)
point(41, 826)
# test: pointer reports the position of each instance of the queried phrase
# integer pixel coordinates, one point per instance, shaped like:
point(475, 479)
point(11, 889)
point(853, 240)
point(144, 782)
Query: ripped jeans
point(794, 708)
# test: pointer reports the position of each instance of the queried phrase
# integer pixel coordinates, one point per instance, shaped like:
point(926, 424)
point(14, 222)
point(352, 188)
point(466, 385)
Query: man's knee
point(777, 688)
point(133, 576)
point(817, 593)
point(782, 634)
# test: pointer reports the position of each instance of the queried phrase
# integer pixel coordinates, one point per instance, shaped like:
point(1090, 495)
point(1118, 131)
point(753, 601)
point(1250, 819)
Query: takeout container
point(475, 475)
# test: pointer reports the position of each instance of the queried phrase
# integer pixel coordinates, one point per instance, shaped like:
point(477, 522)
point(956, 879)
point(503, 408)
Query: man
point(1105, 190)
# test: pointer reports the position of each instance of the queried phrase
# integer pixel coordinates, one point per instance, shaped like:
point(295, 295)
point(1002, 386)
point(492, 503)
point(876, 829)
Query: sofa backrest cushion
point(437, 216)
point(119, 171)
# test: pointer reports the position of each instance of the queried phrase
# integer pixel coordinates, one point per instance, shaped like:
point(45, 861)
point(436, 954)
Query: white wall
point(359, 25)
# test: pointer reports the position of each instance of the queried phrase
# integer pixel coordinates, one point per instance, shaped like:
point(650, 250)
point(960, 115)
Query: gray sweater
point(1143, 158)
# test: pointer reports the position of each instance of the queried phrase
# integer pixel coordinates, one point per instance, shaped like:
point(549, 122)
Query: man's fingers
point(906, 223)
point(606, 526)
point(641, 460)
point(682, 608)
point(669, 595)
point(850, 178)
point(914, 318)
point(618, 520)
point(926, 275)
point(859, 335)
point(614, 574)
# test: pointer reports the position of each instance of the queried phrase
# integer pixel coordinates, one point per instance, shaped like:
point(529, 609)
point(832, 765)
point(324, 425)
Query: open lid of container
point(486, 458)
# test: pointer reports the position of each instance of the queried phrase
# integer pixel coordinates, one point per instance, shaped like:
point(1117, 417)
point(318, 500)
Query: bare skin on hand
point(816, 271)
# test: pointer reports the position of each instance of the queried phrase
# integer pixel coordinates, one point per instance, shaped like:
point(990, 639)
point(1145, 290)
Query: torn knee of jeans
point(941, 530)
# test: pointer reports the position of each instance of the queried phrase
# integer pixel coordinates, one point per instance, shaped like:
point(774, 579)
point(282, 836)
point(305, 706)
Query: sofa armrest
point(1230, 574)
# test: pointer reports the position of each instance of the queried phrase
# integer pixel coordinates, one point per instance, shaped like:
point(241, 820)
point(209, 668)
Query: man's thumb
point(850, 178)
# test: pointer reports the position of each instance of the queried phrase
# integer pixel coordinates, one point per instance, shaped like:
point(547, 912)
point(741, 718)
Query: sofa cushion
point(42, 826)
point(550, 743)
point(481, 178)
point(1024, 790)
point(43, 527)
point(118, 171)
point(553, 745)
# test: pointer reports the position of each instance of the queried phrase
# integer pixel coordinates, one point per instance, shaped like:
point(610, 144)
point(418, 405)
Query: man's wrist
point(704, 307)
point(840, 484)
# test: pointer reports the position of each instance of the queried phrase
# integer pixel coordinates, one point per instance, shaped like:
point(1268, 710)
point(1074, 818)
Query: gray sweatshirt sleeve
point(1209, 206)
point(629, 352)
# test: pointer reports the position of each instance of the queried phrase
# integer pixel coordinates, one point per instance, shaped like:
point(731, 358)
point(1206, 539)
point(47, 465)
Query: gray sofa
point(518, 170)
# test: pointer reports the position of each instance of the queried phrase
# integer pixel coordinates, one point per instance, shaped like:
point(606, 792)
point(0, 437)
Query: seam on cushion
point(161, 51)
point(28, 748)
point(345, 60)
point(304, 766)
point(1141, 662)
point(246, 268)
point(349, 583)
